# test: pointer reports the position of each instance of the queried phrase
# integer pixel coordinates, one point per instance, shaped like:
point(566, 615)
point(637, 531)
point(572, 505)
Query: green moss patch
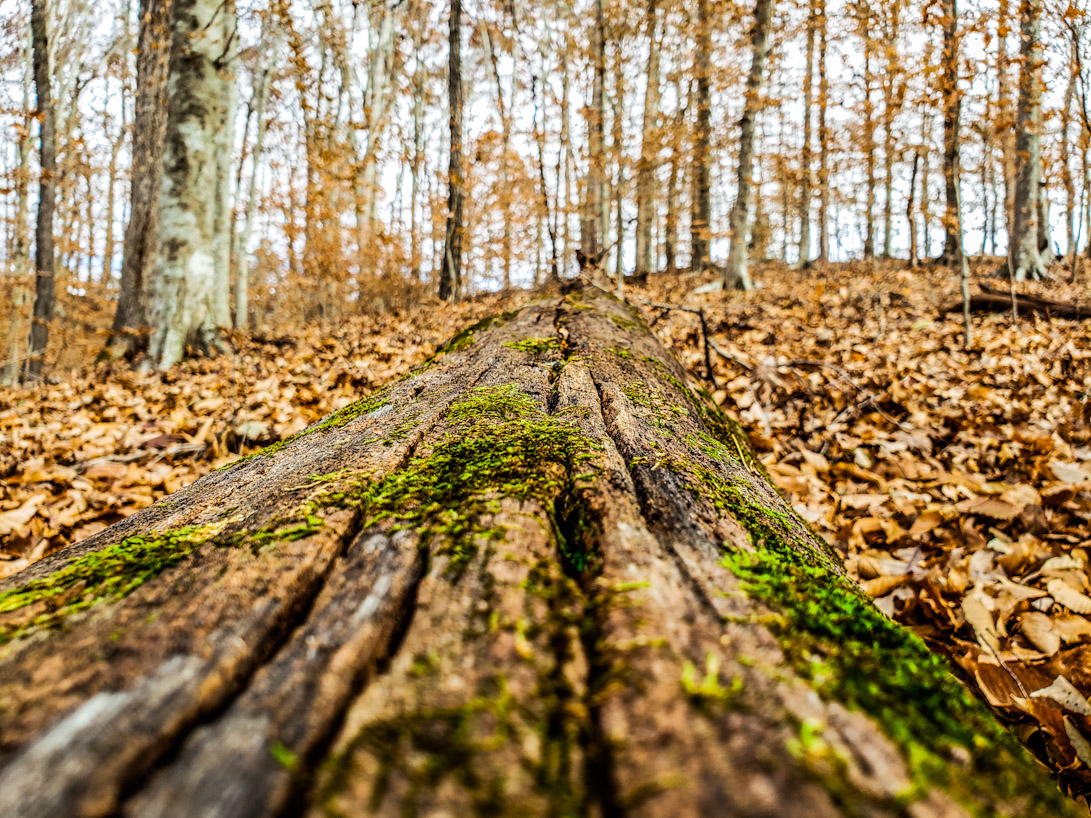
point(835, 638)
point(651, 399)
point(445, 747)
point(106, 575)
point(536, 346)
point(499, 445)
point(468, 336)
point(378, 399)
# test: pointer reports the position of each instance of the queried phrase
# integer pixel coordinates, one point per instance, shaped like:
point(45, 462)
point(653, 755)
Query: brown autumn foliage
point(957, 484)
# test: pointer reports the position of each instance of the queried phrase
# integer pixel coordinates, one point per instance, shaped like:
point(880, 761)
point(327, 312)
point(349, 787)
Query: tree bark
point(649, 151)
point(594, 223)
point(893, 85)
point(617, 139)
point(1071, 209)
point(242, 241)
point(1005, 119)
point(910, 212)
point(952, 107)
point(506, 110)
point(149, 132)
point(864, 22)
point(1025, 258)
point(185, 315)
point(450, 281)
point(534, 576)
point(44, 260)
point(702, 186)
point(805, 195)
point(224, 158)
point(17, 335)
point(823, 142)
point(377, 99)
point(418, 22)
point(735, 272)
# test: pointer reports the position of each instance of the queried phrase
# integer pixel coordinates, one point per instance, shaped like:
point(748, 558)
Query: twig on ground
point(700, 313)
point(872, 398)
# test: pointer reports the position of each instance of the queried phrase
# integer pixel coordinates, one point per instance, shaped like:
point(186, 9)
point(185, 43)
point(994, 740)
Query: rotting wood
point(993, 300)
point(540, 574)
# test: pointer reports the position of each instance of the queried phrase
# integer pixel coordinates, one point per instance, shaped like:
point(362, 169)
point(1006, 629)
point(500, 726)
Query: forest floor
point(956, 483)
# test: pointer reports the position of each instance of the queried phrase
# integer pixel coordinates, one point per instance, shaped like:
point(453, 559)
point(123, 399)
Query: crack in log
point(599, 780)
point(197, 751)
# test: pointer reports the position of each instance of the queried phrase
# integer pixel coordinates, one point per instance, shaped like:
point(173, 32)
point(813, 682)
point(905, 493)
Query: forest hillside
point(450, 233)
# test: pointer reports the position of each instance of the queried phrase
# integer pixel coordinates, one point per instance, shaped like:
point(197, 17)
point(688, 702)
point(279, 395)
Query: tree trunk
point(952, 106)
point(225, 150)
point(539, 138)
point(670, 226)
point(1004, 117)
point(184, 309)
point(1025, 259)
point(910, 213)
point(17, 335)
point(568, 160)
point(988, 189)
point(1086, 197)
point(44, 262)
point(702, 194)
point(804, 254)
point(926, 194)
point(242, 242)
point(376, 103)
point(595, 225)
point(618, 145)
point(823, 142)
point(534, 576)
point(1071, 210)
point(649, 152)
point(124, 43)
point(418, 22)
point(865, 13)
point(450, 281)
point(893, 96)
point(506, 111)
point(735, 272)
point(149, 131)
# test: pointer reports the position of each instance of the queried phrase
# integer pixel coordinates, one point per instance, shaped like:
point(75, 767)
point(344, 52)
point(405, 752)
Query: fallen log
point(991, 299)
point(539, 574)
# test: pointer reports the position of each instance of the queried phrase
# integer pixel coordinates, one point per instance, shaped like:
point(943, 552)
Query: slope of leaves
point(956, 483)
point(105, 441)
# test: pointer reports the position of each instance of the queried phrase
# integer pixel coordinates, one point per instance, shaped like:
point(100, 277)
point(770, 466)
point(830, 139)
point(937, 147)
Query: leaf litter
point(956, 483)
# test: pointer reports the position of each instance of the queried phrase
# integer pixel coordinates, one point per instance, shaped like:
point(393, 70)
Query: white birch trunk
point(183, 308)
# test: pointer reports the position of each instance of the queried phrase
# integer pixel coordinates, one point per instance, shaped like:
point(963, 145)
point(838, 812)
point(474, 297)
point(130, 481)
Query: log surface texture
point(541, 574)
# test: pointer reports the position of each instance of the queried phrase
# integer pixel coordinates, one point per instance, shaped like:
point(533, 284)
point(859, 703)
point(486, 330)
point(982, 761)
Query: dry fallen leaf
point(975, 609)
point(1079, 743)
point(1063, 693)
point(1039, 631)
point(1068, 596)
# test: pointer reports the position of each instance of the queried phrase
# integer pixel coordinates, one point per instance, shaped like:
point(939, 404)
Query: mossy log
point(540, 574)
